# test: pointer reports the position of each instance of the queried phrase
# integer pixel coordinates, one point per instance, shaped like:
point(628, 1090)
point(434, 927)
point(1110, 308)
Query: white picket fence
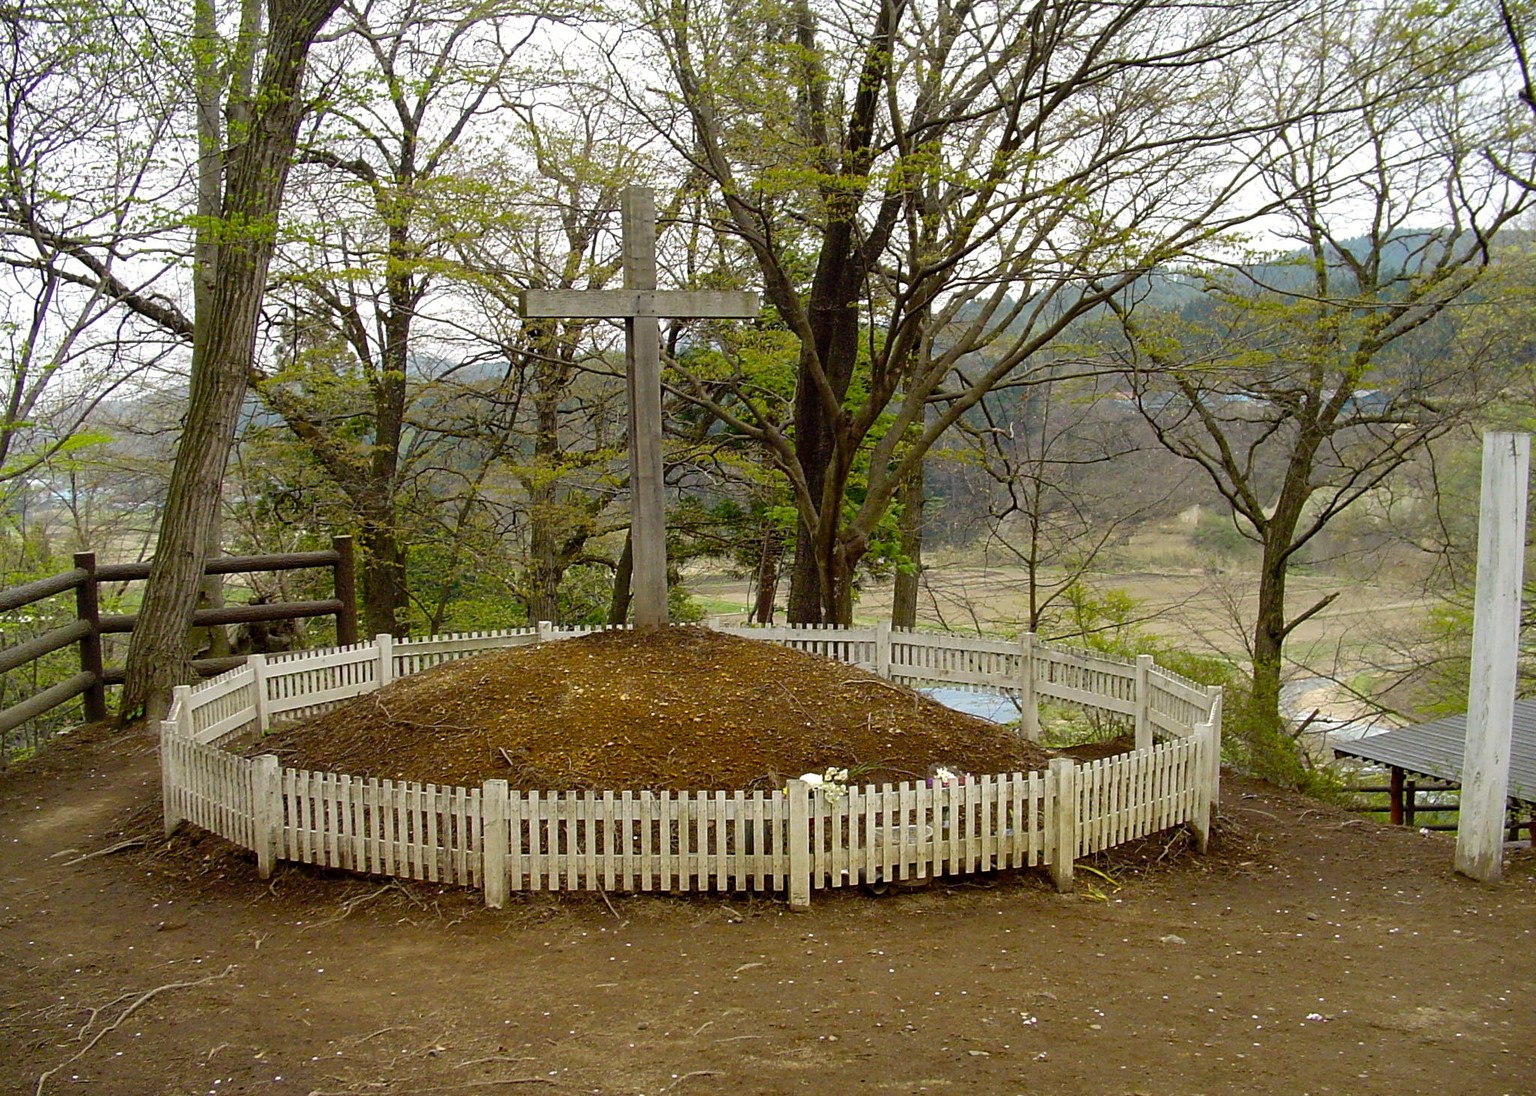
point(797, 840)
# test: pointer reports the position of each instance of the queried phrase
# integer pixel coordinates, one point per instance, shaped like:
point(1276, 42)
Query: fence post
point(88, 609)
point(1205, 741)
point(344, 586)
point(267, 809)
point(801, 856)
point(1064, 814)
point(258, 665)
point(883, 649)
point(170, 774)
point(546, 631)
point(1215, 693)
point(1143, 702)
point(1029, 710)
point(493, 846)
point(385, 643)
point(181, 704)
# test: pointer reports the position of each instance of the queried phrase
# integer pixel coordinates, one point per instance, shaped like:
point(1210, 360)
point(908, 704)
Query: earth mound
point(683, 708)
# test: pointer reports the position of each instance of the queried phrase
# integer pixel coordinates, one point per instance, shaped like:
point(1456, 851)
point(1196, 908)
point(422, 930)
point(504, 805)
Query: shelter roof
point(1436, 749)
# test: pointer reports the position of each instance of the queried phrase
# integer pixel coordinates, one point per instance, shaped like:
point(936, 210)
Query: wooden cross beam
point(642, 305)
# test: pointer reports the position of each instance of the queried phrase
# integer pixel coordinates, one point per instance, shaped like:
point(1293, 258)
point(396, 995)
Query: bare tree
point(558, 404)
point(1059, 459)
point(900, 170)
point(81, 208)
point(388, 183)
point(1516, 17)
point(254, 175)
point(1310, 380)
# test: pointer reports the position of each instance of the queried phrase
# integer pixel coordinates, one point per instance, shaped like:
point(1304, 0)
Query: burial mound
point(683, 708)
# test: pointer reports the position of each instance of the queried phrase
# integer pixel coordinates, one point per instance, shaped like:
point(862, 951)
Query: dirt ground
point(1310, 952)
point(679, 708)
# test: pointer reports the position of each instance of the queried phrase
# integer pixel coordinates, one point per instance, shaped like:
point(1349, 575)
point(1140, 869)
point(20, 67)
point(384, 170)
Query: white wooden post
point(546, 631)
point(170, 773)
point(1143, 702)
point(181, 705)
point(493, 866)
point(883, 649)
point(799, 842)
point(1064, 815)
point(385, 644)
point(1213, 692)
point(1029, 709)
point(267, 808)
point(258, 664)
point(1207, 771)
point(1495, 647)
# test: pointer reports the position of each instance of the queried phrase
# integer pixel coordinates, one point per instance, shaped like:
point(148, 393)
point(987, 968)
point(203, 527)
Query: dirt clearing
point(1310, 953)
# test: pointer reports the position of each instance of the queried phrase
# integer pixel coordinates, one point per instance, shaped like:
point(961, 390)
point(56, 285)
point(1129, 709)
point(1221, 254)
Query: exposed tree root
point(138, 1001)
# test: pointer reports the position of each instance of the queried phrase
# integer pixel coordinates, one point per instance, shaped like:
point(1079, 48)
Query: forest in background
point(1039, 281)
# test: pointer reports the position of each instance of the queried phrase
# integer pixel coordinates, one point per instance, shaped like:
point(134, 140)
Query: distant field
point(1192, 607)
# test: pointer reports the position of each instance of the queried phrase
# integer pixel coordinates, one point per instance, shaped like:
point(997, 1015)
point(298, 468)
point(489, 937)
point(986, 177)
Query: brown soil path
point(1311, 953)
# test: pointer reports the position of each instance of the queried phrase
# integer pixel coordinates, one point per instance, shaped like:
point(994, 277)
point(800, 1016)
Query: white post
point(1143, 702)
point(267, 804)
point(546, 631)
point(1207, 772)
point(1029, 709)
point(1213, 692)
point(181, 705)
point(385, 644)
point(1064, 814)
point(883, 649)
point(799, 841)
point(170, 773)
point(493, 865)
point(258, 664)
point(1495, 646)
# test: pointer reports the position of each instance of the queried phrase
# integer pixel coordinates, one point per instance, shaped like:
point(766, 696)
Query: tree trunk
point(910, 533)
point(546, 559)
point(256, 175)
point(1269, 639)
point(212, 640)
point(386, 592)
point(804, 579)
point(623, 581)
point(767, 578)
point(544, 567)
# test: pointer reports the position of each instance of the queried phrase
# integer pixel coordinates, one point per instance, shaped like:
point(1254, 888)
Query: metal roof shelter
point(1435, 750)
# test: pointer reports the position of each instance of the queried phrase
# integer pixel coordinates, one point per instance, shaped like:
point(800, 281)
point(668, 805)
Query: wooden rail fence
point(90, 624)
point(799, 839)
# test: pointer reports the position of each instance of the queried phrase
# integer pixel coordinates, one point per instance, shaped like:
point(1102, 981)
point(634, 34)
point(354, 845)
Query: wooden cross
point(642, 305)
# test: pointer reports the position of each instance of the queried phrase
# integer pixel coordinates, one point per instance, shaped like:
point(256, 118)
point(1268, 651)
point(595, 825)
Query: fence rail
point(90, 624)
point(799, 839)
